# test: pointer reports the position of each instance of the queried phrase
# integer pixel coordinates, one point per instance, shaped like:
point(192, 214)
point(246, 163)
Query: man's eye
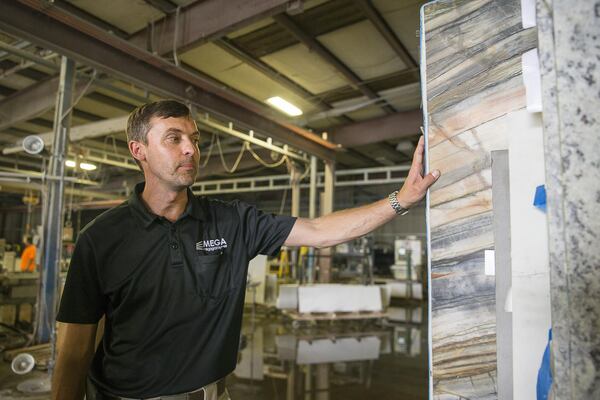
point(172, 139)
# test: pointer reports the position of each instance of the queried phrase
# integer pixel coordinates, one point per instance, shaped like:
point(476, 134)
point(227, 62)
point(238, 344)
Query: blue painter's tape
point(539, 199)
point(544, 379)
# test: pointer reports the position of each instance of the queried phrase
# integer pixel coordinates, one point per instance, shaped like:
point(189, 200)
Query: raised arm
point(75, 348)
point(341, 226)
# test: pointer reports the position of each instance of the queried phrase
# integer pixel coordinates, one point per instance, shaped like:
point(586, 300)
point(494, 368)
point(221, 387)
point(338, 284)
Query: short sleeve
point(82, 300)
point(264, 233)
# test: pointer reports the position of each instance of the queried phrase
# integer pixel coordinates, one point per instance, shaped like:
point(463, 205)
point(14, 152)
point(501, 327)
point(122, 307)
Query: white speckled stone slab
point(569, 44)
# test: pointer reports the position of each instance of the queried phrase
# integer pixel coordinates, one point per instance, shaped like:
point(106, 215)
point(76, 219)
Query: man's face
point(171, 153)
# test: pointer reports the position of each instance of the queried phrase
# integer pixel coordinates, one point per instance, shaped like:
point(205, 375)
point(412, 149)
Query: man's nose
point(188, 147)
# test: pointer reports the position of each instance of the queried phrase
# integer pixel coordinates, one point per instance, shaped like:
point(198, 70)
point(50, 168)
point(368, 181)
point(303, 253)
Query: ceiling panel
point(366, 113)
point(129, 16)
point(116, 96)
point(305, 68)
point(220, 65)
point(355, 106)
point(403, 17)
point(363, 50)
point(16, 81)
point(403, 98)
point(321, 19)
point(99, 108)
point(30, 127)
point(252, 27)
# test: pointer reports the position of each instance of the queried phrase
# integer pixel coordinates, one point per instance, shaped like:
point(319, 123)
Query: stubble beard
point(188, 177)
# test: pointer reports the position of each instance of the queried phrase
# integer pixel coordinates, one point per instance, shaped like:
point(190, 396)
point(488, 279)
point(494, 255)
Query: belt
point(195, 395)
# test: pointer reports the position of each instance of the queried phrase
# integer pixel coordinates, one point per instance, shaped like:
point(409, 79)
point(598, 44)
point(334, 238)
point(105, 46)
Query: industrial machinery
point(353, 261)
point(408, 263)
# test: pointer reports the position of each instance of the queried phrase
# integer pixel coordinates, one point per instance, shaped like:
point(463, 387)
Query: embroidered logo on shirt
point(211, 245)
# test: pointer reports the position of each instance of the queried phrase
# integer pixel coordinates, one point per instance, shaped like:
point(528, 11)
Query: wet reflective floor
point(282, 360)
point(327, 361)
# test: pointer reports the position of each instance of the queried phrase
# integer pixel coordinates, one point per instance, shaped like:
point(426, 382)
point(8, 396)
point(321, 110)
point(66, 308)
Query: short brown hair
point(138, 123)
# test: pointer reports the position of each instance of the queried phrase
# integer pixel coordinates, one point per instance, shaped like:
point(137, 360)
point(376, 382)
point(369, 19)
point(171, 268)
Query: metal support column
point(290, 390)
point(308, 383)
point(52, 242)
point(322, 382)
point(327, 208)
point(295, 182)
point(312, 213)
point(297, 270)
point(312, 194)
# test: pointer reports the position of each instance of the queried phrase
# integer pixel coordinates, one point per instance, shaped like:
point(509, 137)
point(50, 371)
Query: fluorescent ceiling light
point(85, 166)
point(284, 106)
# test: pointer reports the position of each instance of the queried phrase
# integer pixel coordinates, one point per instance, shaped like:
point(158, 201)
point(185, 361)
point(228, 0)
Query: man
point(167, 270)
point(28, 255)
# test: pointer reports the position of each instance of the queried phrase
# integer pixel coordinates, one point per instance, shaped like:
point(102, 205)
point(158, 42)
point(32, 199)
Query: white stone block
point(339, 298)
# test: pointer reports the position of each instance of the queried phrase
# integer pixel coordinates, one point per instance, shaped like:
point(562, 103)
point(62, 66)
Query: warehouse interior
point(306, 107)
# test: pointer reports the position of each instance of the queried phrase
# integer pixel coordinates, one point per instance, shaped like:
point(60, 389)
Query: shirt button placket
point(176, 258)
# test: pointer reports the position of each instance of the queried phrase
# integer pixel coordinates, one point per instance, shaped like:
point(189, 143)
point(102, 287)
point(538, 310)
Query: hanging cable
point(210, 148)
point(268, 165)
point(237, 161)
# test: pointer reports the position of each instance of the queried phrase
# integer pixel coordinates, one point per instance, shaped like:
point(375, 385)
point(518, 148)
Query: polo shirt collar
point(146, 217)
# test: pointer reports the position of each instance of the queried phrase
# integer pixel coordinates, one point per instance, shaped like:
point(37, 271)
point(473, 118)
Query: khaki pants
point(210, 393)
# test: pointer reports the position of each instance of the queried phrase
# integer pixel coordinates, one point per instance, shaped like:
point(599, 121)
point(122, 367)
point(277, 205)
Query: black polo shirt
point(172, 293)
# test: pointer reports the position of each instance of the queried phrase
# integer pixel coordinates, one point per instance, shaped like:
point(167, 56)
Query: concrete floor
point(325, 361)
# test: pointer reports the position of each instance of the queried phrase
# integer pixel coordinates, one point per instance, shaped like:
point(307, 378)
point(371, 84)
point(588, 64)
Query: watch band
point(395, 205)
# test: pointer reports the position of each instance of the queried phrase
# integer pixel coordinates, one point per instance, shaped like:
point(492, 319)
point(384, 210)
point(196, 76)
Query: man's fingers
point(416, 167)
point(418, 154)
point(430, 179)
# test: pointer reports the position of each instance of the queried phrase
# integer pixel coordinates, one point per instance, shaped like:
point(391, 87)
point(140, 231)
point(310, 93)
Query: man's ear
point(137, 150)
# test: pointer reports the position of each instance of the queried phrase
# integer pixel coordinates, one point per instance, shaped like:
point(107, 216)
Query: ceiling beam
point(315, 46)
point(31, 101)
point(390, 37)
point(89, 117)
point(27, 55)
point(19, 44)
point(396, 126)
point(7, 185)
point(8, 138)
point(78, 133)
point(53, 28)
point(111, 101)
point(207, 20)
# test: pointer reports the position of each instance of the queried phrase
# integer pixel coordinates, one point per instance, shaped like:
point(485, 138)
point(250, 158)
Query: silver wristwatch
point(395, 205)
